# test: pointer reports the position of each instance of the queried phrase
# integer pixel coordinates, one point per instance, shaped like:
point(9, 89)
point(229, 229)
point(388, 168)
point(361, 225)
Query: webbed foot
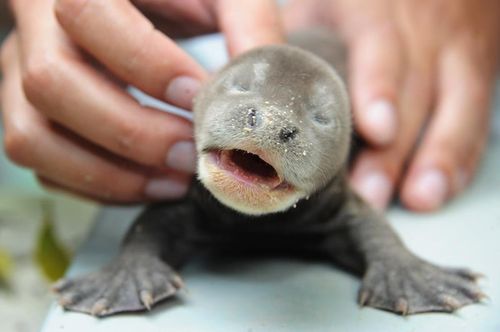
point(127, 284)
point(415, 286)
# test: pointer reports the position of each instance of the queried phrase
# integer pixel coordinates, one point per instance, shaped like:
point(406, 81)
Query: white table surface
point(277, 295)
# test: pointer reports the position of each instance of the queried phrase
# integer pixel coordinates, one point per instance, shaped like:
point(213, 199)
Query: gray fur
point(297, 90)
point(333, 221)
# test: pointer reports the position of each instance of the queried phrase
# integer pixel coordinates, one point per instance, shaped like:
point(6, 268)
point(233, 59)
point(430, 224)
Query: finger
point(162, 188)
point(456, 136)
point(53, 185)
point(376, 69)
point(249, 23)
point(120, 37)
point(376, 172)
point(180, 19)
point(104, 114)
point(31, 141)
point(299, 14)
point(58, 81)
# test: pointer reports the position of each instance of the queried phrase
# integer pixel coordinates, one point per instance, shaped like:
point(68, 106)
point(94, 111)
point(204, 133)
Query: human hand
point(66, 113)
point(421, 78)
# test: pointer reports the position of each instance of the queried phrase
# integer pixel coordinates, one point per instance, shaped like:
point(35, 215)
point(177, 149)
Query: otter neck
point(324, 202)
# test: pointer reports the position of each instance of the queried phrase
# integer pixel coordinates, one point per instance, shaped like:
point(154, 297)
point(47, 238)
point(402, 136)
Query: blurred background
point(39, 231)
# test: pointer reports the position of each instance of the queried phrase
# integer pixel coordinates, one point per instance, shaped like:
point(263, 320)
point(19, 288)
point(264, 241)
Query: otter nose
point(252, 117)
point(288, 134)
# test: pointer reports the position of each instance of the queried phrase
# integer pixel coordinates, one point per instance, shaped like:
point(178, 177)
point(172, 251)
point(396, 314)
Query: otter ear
point(249, 78)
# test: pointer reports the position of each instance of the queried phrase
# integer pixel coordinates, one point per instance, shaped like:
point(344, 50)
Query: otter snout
point(285, 133)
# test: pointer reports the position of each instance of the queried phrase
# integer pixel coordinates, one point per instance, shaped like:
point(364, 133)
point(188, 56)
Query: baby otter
point(273, 132)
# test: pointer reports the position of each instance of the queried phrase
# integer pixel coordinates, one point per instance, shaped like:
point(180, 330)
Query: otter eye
point(237, 85)
point(320, 118)
point(240, 88)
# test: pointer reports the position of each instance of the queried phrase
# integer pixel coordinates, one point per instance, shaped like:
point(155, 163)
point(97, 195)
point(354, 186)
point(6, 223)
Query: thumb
point(249, 23)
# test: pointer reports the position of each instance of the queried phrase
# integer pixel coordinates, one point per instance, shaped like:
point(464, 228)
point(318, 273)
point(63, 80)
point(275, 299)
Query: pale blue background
point(277, 295)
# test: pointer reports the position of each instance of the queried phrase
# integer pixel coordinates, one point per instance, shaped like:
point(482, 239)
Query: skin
point(433, 64)
point(65, 67)
point(392, 44)
point(327, 218)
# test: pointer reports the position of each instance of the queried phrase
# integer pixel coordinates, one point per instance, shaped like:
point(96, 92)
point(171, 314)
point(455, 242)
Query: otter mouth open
point(248, 181)
point(248, 167)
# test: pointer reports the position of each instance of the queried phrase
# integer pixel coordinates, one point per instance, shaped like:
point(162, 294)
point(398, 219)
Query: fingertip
point(426, 191)
point(374, 187)
point(378, 122)
point(371, 180)
point(166, 188)
point(182, 157)
point(181, 91)
point(143, 57)
point(249, 24)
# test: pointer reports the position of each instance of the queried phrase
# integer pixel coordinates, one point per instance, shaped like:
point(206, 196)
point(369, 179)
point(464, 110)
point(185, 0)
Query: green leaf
point(50, 255)
point(6, 266)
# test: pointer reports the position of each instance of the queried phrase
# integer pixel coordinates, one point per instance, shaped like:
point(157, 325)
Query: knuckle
point(37, 76)
point(68, 9)
point(129, 135)
point(132, 141)
point(18, 142)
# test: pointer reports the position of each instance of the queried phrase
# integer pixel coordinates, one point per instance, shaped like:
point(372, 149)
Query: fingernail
point(182, 90)
point(165, 188)
point(375, 188)
point(182, 157)
point(381, 118)
point(431, 189)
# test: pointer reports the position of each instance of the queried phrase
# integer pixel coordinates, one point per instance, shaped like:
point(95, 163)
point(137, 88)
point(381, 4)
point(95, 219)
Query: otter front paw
point(415, 286)
point(127, 284)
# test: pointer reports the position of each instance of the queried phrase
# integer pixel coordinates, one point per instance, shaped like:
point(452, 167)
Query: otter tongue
point(249, 168)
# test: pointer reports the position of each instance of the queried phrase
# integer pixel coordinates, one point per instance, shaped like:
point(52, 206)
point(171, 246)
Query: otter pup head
point(271, 128)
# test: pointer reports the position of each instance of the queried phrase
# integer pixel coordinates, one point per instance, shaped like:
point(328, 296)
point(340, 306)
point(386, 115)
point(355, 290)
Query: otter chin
point(246, 181)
